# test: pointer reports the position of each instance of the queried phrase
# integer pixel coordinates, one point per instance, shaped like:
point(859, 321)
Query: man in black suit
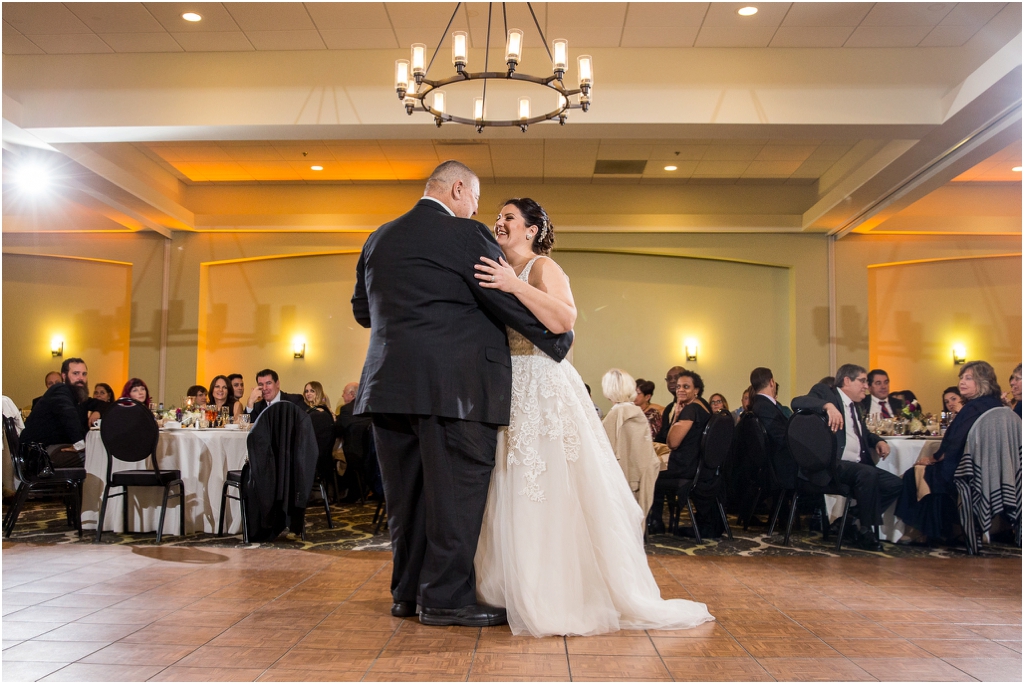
point(878, 399)
point(56, 420)
point(764, 405)
point(438, 383)
point(874, 489)
point(268, 392)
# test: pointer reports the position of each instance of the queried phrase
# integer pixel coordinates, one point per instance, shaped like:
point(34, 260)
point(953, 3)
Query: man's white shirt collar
point(762, 394)
point(439, 202)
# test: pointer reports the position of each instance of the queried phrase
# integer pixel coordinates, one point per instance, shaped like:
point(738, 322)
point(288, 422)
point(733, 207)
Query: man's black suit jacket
point(261, 405)
point(823, 394)
point(437, 342)
point(56, 418)
point(774, 422)
point(895, 404)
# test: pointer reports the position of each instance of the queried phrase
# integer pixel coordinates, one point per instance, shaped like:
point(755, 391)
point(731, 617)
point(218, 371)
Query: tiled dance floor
point(114, 612)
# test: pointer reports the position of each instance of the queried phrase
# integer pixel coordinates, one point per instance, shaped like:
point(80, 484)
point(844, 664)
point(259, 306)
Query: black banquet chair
point(813, 446)
point(64, 482)
point(756, 465)
point(715, 447)
point(130, 433)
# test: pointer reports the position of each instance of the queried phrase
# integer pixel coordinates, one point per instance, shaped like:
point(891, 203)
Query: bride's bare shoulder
point(545, 264)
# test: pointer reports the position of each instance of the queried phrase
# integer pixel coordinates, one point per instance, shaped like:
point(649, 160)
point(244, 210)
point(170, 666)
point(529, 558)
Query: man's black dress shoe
point(866, 541)
point(475, 615)
point(403, 609)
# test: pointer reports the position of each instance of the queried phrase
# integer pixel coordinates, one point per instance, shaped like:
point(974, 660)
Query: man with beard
point(56, 421)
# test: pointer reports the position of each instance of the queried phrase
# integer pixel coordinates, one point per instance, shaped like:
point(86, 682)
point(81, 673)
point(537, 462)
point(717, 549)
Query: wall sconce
point(57, 346)
point(959, 354)
point(299, 347)
point(690, 348)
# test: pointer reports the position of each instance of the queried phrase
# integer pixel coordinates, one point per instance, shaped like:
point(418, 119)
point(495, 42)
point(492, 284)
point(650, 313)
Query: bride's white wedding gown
point(561, 546)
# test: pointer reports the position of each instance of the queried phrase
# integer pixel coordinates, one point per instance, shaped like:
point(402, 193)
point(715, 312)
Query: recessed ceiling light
point(746, 11)
point(317, 168)
point(191, 16)
point(33, 178)
point(1017, 169)
point(671, 168)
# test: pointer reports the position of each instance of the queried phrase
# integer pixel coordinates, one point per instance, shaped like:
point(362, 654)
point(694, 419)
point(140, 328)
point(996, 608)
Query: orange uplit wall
point(918, 311)
point(85, 302)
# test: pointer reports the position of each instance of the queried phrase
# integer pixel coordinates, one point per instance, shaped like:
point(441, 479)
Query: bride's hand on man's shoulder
point(496, 275)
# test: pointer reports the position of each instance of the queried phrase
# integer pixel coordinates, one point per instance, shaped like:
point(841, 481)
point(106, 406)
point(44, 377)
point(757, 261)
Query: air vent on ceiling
point(620, 167)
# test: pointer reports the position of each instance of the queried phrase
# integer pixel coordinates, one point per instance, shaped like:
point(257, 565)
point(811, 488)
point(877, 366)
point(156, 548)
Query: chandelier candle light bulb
point(419, 61)
point(478, 108)
point(514, 48)
point(459, 50)
point(560, 58)
point(401, 77)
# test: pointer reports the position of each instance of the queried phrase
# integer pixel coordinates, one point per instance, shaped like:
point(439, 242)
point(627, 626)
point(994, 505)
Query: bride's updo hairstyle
point(534, 215)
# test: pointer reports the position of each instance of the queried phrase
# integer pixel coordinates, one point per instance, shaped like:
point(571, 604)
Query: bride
point(561, 546)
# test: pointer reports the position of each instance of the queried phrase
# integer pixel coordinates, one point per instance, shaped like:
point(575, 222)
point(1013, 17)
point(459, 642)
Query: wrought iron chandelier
point(414, 87)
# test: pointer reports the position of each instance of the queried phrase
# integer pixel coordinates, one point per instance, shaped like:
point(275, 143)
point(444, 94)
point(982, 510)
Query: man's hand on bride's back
point(497, 275)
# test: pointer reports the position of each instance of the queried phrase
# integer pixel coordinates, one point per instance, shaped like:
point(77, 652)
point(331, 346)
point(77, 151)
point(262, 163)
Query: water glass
point(243, 421)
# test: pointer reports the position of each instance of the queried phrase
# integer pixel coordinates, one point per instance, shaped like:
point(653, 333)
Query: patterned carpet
point(44, 522)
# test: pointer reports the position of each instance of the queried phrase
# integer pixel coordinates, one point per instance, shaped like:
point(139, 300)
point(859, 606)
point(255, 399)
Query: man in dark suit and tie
point(764, 405)
point(268, 392)
point(874, 489)
point(878, 399)
point(438, 382)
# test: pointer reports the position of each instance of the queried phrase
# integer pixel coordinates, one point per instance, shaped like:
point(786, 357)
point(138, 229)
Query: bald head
point(456, 186)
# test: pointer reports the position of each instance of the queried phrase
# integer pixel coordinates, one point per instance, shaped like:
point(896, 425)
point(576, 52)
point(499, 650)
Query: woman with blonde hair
point(630, 436)
point(313, 394)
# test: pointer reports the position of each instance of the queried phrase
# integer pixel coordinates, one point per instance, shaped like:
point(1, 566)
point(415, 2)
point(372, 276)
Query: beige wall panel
point(918, 311)
point(254, 309)
point(636, 311)
point(87, 303)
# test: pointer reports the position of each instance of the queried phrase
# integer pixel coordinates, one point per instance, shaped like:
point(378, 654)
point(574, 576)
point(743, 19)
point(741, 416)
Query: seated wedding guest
point(718, 403)
point(198, 394)
point(600, 413)
point(879, 400)
point(828, 380)
point(764, 404)
point(313, 395)
point(952, 402)
point(668, 416)
point(136, 389)
point(904, 396)
point(356, 434)
point(237, 383)
point(928, 501)
point(103, 398)
point(56, 421)
point(644, 392)
point(786, 411)
point(744, 404)
point(221, 396)
point(1013, 396)
point(49, 380)
point(684, 437)
point(630, 435)
point(268, 392)
point(874, 488)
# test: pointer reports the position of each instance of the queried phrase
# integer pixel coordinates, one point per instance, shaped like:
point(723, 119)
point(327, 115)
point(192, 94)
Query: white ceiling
point(127, 27)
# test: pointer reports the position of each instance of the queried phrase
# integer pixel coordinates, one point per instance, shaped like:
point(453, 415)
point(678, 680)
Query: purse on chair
point(36, 462)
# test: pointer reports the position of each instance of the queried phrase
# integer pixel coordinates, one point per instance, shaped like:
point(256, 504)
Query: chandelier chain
point(457, 6)
point(536, 23)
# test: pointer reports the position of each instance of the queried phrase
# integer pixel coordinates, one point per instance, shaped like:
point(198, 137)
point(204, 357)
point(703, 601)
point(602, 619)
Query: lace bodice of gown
point(519, 345)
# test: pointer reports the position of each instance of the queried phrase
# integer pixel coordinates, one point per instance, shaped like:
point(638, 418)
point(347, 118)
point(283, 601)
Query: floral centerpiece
point(912, 413)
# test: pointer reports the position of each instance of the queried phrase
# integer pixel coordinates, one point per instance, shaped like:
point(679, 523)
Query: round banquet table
point(903, 454)
point(203, 456)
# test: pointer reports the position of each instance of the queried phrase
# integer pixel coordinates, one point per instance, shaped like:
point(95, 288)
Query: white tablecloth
point(903, 454)
point(203, 456)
